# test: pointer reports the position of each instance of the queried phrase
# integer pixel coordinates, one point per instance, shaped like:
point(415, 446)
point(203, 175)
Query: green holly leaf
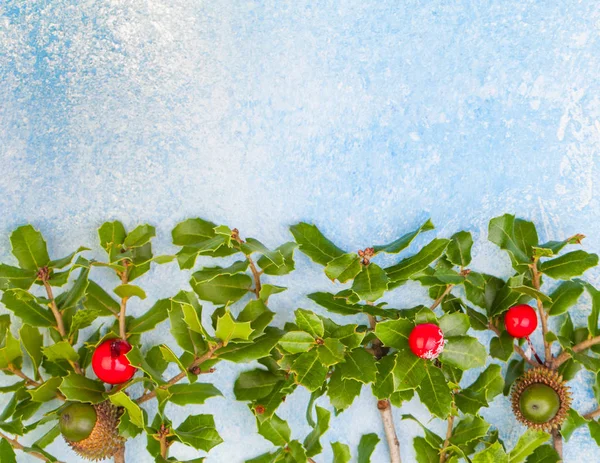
point(569, 265)
point(259, 348)
point(404, 241)
point(255, 384)
point(228, 329)
point(275, 430)
point(33, 342)
point(29, 247)
point(593, 317)
point(295, 342)
point(266, 291)
point(454, 324)
point(409, 371)
point(564, 297)
point(312, 442)
point(463, 352)
point(341, 452)
point(468, 429)
point(420, 261)
point(366, 446)
point(310, 372)
point(192, 232)
point(148, 321)
point(434, 392)
point(253, 245)
point(335, 304)
point(98, 299)
point(343, 268)
point(574, 420)
point(371, 283)
point(61, 350)
point(81, 389)
point(488, 385)
point(544, 454)
point(308, 321)
point(129, 291)
point(314, 244)
point(360, 366)
point(528, 442)
point(493, 454)
point(14, 277)
point(331, 351)
point(502, 347)
point(348, 335)
point(222, 289)
point(342, 392)
point(139, 236)
point(112, 235)
point(152, 363)
point(287, 251)
point(199, 432)
point(383, 386)
point(10, 350)
point(7, 454)
point(189, 340)
point(459, 249)
point(24, 306)
point(394, 333)
point(134, 412)
point(516, 236)
point(197, 393)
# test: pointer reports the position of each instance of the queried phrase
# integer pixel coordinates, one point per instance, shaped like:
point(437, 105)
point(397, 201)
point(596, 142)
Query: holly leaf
point(81, 389)
point(459, 248)
point(493, 454)
point(308, 321)
point(189, 340)
point(569, 265)
point(371, 283)
point(314, 244)
point(222, 289)
point(7, 454)
point(343, 268)
point(420, 261)
point(295, 342)
point(244, 352)
point(366, 446)
point(574, 420)
point(11, 350)
point(360, 366)
point(463, 352)
point(309, 370)
point(255, 384)
point(199, 432)
point(528, 442)
point(394, 333)
point(434, 392)
point(335, 304)
point(14, 277)
point(383, 386)
point(502, 347)
point(98, 299)
point(564, 297)
point(33, 342)
point(331, 351)
point(197, 393)
point(454, 324)
point(409, 371)
point(275, 430)
point(134, 412)
point(129, 291)
point(148, 321)
point(24, 306)
point(287, 251)
point(468, 429)
point(312, 442)
point(228, 329)
point(29, 247)
point(139, 236)
point(404, 241)
point(516, 236)
point(252, 245)
point(341, 452)
point(61, 350)
point(544, 454)
point(112, 235)
point(342, 392)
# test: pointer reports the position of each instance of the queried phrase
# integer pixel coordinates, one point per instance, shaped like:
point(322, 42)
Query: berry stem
point(439, 300)
point(537, 357)
point(543, 317)
point(516, 347)
point(235, 235)
point(385, 409)
point(14, 443)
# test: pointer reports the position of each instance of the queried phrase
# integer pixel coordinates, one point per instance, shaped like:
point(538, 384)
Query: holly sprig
point(65, 315)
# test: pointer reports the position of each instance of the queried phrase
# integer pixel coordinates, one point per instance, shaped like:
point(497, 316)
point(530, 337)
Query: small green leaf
point(199, 432)
point(569, 265)
point(343, 268)
point(574, 420)
point(192, 232)
point(394, 333)
point(228, 329)
point(252, 245)
point(136, 417)
point(341, 452)
point(502, 347)
point(527, 443)
point(255, 384)
point(493, 454)
point(310, 372)
point(112, 235)
point(80, 389)
point(420, 261)
point(383, 386)
point(459, 249)
point(7, 454)
point(468, 429)
point(404, 241)
point(516, 236)
point(267, 290)
point(312, 442)
point(371, 283)
point(244, 352)
point(223, 289)
point(197, 393)
point(335, 304)
point(360, 366)
point(295, 342)
point(454, 324)
point(129, 291)
point(14, 277)
point(331, 351)
point(463, 352)
point(287, 251)
point(29, 247)
point(189, 340)
point(11, 350)
point(24, 306)
point(275, 430)
point(148, 321)
point(564, 297)
point(308, 321)
point(139, 236)
point(61, 350)
point(425, 453)
point(434, 392)
point(544, 454)
point(46, 392)
point(409, 371)
point(314, 244)
point(366, 446)
point(342, 392)
point(33, 342)
point(98, 299)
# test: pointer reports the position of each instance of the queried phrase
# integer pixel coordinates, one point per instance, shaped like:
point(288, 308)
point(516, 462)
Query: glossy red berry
point(520, 321)
point(110, 363)
point(426, 341)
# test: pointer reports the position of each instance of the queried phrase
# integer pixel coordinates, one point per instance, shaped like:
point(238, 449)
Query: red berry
point(426, 341)
point(520, 321)
point(110, 363)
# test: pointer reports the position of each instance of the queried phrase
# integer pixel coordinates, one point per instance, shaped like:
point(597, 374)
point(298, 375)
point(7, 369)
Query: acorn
point(541, 399)
point(92, 430)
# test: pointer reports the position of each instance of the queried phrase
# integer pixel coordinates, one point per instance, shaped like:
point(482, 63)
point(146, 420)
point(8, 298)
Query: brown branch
point(256, 274)
point(30, 382)
point(439, 300)
point(593, 414)
point(199, 360)
point(18, 446)
point(385, 409)
point(543, 317)
point(123, 310)
point(563, 357)
point(447, 440)
point(557, 442)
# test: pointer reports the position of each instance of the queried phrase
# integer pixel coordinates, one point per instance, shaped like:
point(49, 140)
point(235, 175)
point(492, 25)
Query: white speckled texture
point(362, 116)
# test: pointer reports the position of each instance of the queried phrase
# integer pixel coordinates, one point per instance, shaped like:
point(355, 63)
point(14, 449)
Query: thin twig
point(20, 374)
point(439, 300)
point(543, 317)
point(256, 274)
point(123, 310)
point(563, 357)
point(593, 414)
point(200, 360)
point(14, 443)
point(385, 409)
point(447, 440)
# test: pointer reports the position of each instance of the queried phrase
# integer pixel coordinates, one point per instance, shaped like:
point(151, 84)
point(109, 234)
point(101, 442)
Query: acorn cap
point(104, 440)
point(541, 375)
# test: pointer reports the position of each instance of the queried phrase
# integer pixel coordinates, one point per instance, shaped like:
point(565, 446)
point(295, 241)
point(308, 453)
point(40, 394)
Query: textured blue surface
point(362, 116)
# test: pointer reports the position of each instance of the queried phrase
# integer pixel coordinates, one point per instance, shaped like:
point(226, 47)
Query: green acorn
point(541, 399)
point(91, 430)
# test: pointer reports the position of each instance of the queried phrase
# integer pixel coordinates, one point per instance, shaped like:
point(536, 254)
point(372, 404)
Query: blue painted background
point(362, 116)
